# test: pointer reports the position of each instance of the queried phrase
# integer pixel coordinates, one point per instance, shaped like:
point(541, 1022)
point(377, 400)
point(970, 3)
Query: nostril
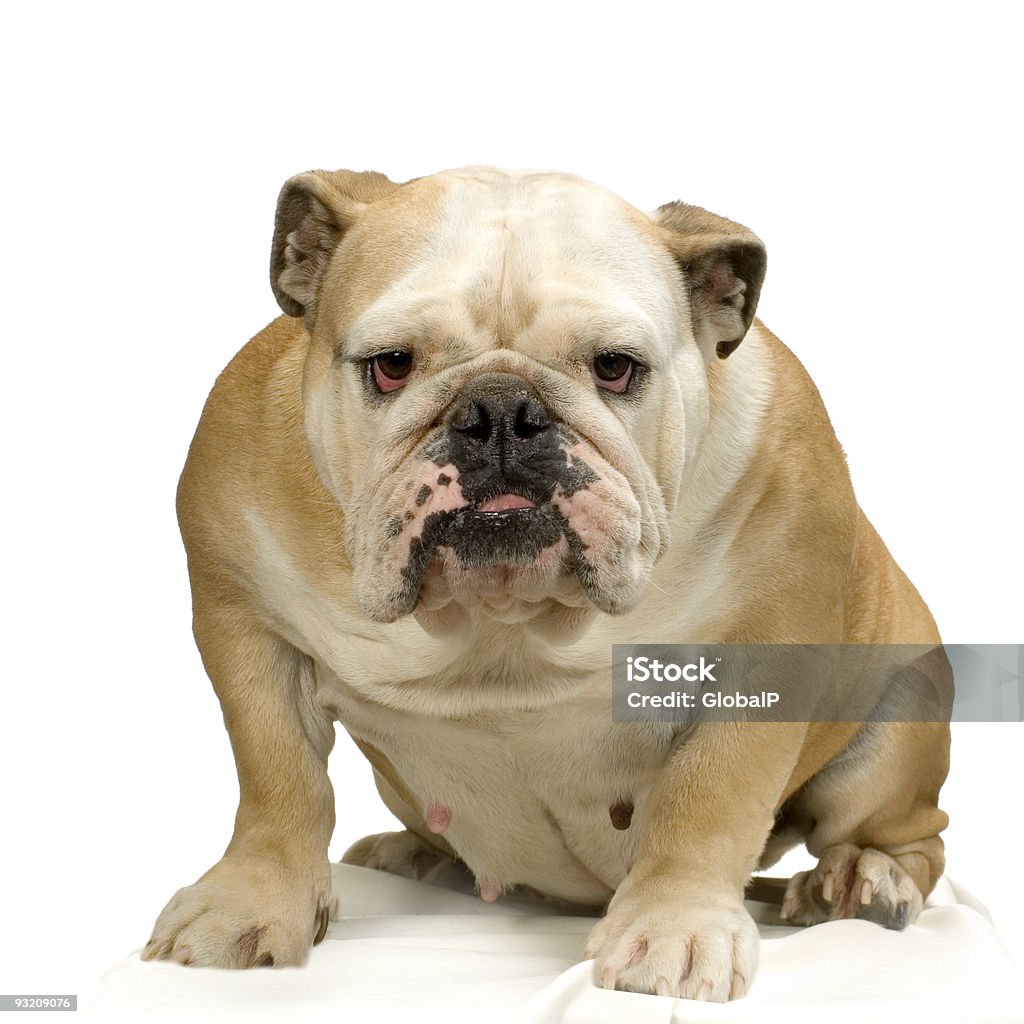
point(474, 422)
point(531, 419)
point(495, 415)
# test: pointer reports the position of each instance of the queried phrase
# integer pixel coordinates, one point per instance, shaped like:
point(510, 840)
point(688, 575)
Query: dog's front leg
point(677, 925)
point(267, 900)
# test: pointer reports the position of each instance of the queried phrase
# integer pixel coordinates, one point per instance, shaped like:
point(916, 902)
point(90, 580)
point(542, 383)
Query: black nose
point(499, 419)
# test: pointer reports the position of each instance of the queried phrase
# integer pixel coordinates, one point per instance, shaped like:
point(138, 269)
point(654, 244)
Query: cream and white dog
point(507, 422)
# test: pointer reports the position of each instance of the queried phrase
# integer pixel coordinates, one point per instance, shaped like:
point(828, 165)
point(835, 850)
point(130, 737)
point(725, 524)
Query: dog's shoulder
point(249, 462)
point(261, 382)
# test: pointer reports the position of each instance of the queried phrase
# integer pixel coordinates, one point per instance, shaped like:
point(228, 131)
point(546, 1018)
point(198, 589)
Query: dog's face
point(507, 380)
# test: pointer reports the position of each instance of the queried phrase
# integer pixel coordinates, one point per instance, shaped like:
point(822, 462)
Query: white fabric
point(405, 951)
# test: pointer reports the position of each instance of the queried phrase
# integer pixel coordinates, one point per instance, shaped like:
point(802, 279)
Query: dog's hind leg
point(876, 828)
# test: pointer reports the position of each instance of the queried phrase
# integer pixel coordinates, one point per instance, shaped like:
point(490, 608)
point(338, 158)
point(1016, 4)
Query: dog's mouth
point(510, 561)
point(506, 543)
point(505, 503)
point(509, 538)
point(509, 529)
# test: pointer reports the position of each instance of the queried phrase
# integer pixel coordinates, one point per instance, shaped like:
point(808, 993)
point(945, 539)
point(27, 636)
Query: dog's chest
point(552, 798)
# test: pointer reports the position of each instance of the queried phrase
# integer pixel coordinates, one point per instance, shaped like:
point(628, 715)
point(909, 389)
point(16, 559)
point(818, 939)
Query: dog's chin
point(507, 589)
point(521, 566)
point(545, 596)
point(510, 566)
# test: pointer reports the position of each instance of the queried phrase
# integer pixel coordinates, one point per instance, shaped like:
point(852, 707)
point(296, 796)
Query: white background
point(872, 146)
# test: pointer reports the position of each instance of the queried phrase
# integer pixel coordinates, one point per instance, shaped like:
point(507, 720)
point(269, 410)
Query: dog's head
point(506, 380)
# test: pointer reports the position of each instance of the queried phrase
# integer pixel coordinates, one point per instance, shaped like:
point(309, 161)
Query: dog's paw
point(675, 945)
point(406, 854)
point(245, 912)
point(851, 882)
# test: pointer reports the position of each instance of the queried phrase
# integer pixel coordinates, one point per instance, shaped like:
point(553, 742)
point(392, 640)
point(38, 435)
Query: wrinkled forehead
point(495, 255)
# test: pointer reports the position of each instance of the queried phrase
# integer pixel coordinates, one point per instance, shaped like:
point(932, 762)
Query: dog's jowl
point(507, 421)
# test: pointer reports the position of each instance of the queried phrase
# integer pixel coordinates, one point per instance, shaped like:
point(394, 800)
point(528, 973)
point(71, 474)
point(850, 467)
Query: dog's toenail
point(490, 890)
point(323, 920)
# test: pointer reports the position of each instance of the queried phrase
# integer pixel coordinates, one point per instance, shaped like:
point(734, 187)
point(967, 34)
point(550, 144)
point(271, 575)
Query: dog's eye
point(612, 371)
point(390, 369)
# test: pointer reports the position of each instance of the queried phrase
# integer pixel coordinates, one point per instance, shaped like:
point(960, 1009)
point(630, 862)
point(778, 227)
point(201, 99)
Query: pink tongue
point(505, 503)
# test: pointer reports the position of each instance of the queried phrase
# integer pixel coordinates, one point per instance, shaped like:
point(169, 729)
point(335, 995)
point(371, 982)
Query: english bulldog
point(506, 421)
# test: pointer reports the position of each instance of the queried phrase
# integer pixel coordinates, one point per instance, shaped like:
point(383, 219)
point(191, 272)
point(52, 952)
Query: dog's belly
point(554, 799)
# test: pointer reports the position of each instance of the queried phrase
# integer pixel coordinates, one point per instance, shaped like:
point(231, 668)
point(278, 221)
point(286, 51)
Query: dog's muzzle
point(503, 502)
point(505, 446)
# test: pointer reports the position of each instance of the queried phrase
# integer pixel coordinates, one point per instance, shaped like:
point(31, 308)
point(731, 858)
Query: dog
point(508, 420)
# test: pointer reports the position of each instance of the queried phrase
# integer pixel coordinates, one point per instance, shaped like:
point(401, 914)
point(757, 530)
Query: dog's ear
point(724, 264)
point(314, 210)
